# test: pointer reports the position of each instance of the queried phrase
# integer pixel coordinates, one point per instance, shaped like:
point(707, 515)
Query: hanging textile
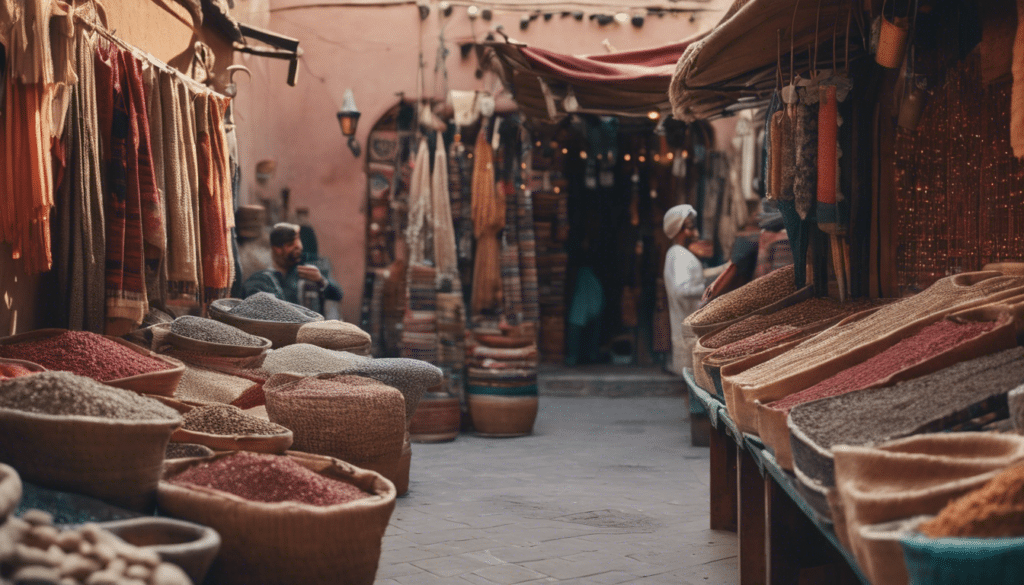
point(156, 271)
point(488, 221)
point(183, 248)
point(416, 232)
point(214, 196)
point(445, 255)
point(1017, 95)
point(191, 151)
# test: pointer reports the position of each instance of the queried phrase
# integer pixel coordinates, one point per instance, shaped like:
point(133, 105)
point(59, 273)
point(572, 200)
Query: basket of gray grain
point(283, 519)
point(264, 315)
point(72, 433)
point(209, 336)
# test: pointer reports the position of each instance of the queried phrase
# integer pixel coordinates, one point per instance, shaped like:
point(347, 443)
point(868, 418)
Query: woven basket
point(10, 491)
point(217, 349)
point(279, 334)
point(31, 366)
point(502, 411)
point(883, 553)
point(278, 443)
point(771, 422)
point(289, 543)
point(190, 546)
point(364, 424)
point(333, 334)
point(437, 419)
point(163, 382)
point(961, 561)
point(793, 298)
point(117, 461)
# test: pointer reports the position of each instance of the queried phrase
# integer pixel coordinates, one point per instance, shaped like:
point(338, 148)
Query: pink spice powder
point(86, 354)
point(268, 478)
point(930, 341)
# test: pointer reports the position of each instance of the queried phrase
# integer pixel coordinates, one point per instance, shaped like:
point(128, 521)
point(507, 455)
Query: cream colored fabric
point(674, 218)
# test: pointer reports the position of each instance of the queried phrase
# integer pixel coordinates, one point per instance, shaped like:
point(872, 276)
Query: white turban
point(675, 217)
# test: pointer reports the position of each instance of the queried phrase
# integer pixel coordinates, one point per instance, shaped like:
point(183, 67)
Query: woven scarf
point(444, 229)
point(191, 151)
point(805, 178)
point(511, 280)
point(488, 219)
point(528, 258)
point(416, 233)
point(213, 224)
point(182, 281)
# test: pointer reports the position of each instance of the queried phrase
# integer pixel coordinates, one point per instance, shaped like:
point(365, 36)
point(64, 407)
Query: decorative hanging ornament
point(424, 10)
point(621, 18)
point(445, 8)
point(486, 14)
point(524, 23)
point(638, 21)
point(472, 12)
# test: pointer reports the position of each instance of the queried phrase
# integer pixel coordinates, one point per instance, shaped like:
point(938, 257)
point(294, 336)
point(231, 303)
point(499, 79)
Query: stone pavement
point(606, 491)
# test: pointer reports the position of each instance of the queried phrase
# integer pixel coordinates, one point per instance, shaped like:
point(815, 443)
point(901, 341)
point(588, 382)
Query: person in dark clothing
point(289, 279)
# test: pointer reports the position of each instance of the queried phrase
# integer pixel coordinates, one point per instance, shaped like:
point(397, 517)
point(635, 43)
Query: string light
point(626, 157)
point(565, 151)
point(583, 154)
point(642, 158)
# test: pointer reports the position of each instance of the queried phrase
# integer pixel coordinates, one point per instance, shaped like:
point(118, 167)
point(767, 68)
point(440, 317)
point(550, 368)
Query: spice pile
point(210, 331)
point(182, 450)
point(33, 550)
point(880, 414)
point(224, 419)
point(770, 337)
point(268, 478)
point(942, 296)
point(86, 354)
point(13, 370)
point(994, 510)
point(754, 295)
point(64, 394)
point(804, 313)
point(929, 342)
point(335, 334)
point(303, 358)
point(264, 306)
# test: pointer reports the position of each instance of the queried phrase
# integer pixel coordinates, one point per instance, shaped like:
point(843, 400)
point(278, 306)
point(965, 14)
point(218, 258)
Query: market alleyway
point(606, 491)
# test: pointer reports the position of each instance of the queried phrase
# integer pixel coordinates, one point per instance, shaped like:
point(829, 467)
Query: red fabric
point(656, 64)
point(216, 259)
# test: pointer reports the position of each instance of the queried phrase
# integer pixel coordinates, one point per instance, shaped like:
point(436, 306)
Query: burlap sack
point(288, 543)
point(335, 334)
point(771, 421)
point(913, 476)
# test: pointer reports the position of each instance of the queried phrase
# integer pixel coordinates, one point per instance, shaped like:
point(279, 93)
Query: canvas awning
point(625, 83)
point(736, 63)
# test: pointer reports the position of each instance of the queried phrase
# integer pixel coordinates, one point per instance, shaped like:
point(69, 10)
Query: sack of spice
point(72, 433)
point(334, 334)
point(283, 519)
point(353, 418)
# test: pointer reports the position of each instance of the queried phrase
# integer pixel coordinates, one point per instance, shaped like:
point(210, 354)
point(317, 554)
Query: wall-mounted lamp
point(348, 117)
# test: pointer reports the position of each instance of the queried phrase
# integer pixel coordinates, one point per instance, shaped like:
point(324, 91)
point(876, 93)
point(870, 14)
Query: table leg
point(722, 480)
point(752, 547)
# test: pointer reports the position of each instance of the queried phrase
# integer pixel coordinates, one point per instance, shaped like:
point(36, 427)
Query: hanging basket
point(892, 40)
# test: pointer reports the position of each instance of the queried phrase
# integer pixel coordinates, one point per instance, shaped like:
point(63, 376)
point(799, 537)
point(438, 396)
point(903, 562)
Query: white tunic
point(684, 285)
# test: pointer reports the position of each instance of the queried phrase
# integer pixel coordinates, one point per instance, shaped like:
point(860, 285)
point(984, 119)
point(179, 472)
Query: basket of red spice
point(283, 519)
point(110, 360)
point(10, 368)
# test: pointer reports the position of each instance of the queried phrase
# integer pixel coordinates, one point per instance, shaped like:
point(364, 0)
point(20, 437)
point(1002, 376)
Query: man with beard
point(288, 279)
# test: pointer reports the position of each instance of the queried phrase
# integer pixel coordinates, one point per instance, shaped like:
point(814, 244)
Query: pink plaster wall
point(375, 51)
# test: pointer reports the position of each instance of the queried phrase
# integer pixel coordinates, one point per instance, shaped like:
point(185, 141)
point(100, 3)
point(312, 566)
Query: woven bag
point(289, 543)
point(360, 420)
point(334, 334)
point(117, 461)
point(913, 476)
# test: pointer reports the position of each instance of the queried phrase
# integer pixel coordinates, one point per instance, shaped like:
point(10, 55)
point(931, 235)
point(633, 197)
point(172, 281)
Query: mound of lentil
point(202, 329)
point(994, 510)
point(86, 354)
point(305, 358)
point(264, 306)
point(929, 342)
point(64, 393)
point(750, 345)
point(754, 295)
point(268, 478)
point(890, 412)
point(802, 314)
point(224, 419)
point(182, 450)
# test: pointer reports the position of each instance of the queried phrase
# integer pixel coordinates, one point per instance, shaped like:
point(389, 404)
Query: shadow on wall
point(17, 296)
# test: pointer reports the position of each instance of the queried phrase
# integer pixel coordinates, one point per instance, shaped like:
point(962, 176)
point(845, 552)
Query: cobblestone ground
point(606, 491)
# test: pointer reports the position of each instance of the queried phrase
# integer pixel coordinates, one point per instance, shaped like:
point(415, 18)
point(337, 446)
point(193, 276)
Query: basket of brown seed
point(223, 427)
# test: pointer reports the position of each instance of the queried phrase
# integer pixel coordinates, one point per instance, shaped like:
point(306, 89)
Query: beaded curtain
point(959, 190)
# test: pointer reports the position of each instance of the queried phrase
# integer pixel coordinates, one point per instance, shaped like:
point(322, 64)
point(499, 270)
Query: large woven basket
point(190, 546)
point(437, 419)
point(502, 409)
point(163, 382)
point(279, 333)
point(288, 543)
point(365, 428)
point(216, 349)
point(30, 366)
point(117, 461)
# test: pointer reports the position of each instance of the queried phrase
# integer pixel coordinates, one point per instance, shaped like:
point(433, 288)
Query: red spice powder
point(929, 342)
point(86, 354)
point(269, 478)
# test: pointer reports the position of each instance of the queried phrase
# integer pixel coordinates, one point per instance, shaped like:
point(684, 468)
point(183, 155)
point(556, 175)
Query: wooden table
point(781, 539)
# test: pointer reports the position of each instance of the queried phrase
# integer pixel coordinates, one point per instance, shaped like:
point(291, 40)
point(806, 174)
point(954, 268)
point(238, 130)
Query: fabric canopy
point(739, 60)
point(625, 83)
